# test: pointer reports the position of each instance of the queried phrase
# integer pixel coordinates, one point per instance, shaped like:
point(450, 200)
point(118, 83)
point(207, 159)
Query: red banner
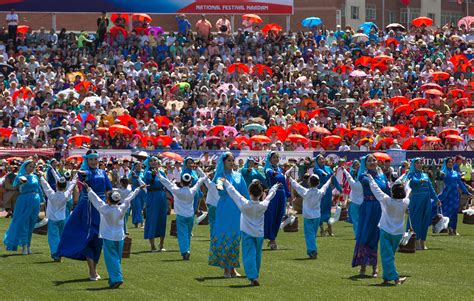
point(25, 152)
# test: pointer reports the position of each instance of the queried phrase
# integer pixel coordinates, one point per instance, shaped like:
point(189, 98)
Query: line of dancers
point(245, 208)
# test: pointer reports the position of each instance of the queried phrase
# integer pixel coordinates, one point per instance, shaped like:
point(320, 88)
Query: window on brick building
point(370, 12)
point(393, 16)
point(354, 12)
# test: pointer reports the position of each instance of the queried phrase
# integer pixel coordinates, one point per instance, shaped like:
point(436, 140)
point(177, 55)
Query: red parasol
point(390, 130)
point(405, 109)
point(120, 129)
point(422, 21)
point(405, 131)
point(162, 121)
point(78, 140)
point(412, 141)
point(335, 140)
point(439, 75)
point(456, 93)
point(23, 29)
point(463, 102)
point(398, 100)
point(296, 138)
point(471, 130)
point(101, 130)
point(85, 86)
point(253, 18)
point(271, 27)
point(425, 111)
point(382, 58)
point(431, 86)
point(468, 111)
point(431, 139)
point(361, 131)
point(372, 103)
point(165, 140)
point(5, 132)
point(115, 16)
point(416, 102)
point(388, 142)
point(127, 120)
point(341, 132)
point(456, 138)
point(392, 41)
point(77, 158)
point(420, 119)
point(382, 156)
point(240, 139)
point(449, 132)
point(364, 140)
point(142, 18)
point(172, 156)
point(434, 92)
point(320, 130)
point(238, 68)
point(281, 133)
point(342, 69)
point(260, 139)
point(114, 31)
point(300, 127)
point(459, 59)
point(260, 69)
point(364, 61)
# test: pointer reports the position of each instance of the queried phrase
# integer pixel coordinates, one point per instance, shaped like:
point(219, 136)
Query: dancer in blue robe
point(422, 194)
point(26, 210)
point(80, 239)
point(188, 168)
point(138, 203)
point(276, 210)
point(225, 239)
point(368, 232)
point(250, 173)
point(156, 205)
point(450, 197)
point(325, 172)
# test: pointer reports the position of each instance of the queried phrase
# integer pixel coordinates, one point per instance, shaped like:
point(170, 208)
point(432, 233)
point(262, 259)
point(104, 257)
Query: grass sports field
point(443, 272)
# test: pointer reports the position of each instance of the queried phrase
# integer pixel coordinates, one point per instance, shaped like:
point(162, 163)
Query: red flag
point(405, 2)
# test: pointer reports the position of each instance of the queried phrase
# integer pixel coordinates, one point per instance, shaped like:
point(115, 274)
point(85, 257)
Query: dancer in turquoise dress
point(324, 173)
point(250, 173)
point(368, 232)
point(188, 168)
point(276, 210)
point(27, 208)
point(225, 239)
point(422, 194)
point(450, 197)
point(138, 203)
point(156, 205)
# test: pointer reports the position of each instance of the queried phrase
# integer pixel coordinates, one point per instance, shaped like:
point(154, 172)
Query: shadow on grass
point(105, 288)
point(59, 283)
point(301, 259)
point(11, 255)
point(241, 286)
point(202, 279)
point(45, 262)
point(359, 277)
point(172, 260)
point(279, 249)
point(150, 252)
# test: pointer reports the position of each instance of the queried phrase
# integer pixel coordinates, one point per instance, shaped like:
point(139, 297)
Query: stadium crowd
point(209, 87)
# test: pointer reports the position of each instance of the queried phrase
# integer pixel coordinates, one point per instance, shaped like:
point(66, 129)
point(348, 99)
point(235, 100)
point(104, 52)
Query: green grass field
point(443, 272)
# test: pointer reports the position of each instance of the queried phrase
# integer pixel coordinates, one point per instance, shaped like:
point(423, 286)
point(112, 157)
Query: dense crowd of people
point(212, 87)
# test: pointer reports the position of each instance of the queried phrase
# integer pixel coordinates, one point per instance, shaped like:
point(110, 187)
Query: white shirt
point(393, 210)
point(12, 19)
point(212, 197)
point(252, 218)
point(357, 194)
point(183, 196)
point(311, 198)
point(111, 216)
point(56, 207)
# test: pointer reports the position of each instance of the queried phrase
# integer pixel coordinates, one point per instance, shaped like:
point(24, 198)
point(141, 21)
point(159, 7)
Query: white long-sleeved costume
point(111, 216)
point(183, 196)
point(357, 194)
point(252, 218)
point(311, 198)
point(56, 207)
point(393, 210)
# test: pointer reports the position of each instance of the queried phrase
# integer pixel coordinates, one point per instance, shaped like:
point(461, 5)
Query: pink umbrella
point(358, 73)
point(224, 88)
point(466, 21)
point(156, 30)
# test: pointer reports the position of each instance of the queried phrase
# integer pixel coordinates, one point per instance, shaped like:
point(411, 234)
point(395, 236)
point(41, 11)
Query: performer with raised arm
point(356, 196)
point(252, 222)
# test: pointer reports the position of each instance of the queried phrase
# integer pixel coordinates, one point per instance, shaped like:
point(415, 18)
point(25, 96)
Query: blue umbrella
point(367, 26)
point(311, 22)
